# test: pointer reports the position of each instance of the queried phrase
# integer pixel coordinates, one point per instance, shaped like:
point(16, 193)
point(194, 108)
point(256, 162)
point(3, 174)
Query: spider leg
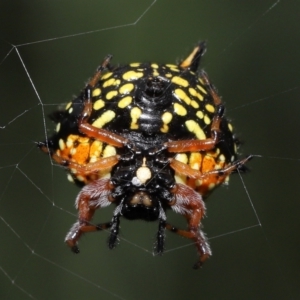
point(114, 231)
point(160, 236)
point(185, 169)
point(88, 106)
point(190, 204)
point(103, 135)
point(92, 196)
point(79, 169)
point(211, 88)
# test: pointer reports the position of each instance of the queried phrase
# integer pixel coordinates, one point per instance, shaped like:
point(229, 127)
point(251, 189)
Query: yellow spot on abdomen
point(179, 109)
point(61, 144)
point(125, 102)
point(180, 81)
point(201, 88)
point(70, 140)
point(211, 186)
point(194, 93)
point(155, 73)
point(222, 157)
point(207, 120)
point(165, 128)
point(194, 127)
point(167, 117)
point(98, 104)
point(69, 143)
point(110, 82)
point(109, 151)
point(135, 113)
point(182, 157)
point(107, 75)
point(57, 129)
point(182, 96)
point(96, 92)
point(134, 64)
point(111, 94)
point(195, 160)
point(194, 104)
point(131, 75)
point(68, 105)
point(105, 118)
point(210, 108)
point(96, 149)
point(200, 114)
point(70, 178)
point(174, 69)
point(82, 139)
point(199, 96)
point(171, 66)
point(126, 88)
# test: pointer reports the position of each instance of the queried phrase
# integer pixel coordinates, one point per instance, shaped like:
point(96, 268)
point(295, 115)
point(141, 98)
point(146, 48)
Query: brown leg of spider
point(200, 240)
point(185, 169)
point(200, 145)
point(101, 164)
point(90, 86)
point(103, 135)
point(190, 204)
point(211, 88)
point(92, 196)
point(79, 228)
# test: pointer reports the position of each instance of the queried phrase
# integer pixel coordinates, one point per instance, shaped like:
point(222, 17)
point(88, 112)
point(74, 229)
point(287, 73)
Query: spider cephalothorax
point(146, 137)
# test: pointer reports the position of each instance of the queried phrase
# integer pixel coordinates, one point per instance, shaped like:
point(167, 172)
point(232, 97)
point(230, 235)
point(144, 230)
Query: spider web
point(49, 48)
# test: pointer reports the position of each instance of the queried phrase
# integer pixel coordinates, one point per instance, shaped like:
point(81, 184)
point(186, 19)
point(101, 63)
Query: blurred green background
point(253, 59)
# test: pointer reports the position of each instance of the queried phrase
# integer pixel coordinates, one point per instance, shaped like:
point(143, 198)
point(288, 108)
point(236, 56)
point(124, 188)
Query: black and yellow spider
point(145, 137)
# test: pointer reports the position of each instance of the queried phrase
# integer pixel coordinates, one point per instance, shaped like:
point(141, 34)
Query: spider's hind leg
point(190, 204)
point(160, 236)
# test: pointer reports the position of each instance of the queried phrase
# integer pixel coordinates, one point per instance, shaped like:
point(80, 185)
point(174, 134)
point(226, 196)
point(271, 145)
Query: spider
point(147, 138)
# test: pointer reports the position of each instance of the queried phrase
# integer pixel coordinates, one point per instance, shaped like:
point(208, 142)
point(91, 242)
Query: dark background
point(253, 59)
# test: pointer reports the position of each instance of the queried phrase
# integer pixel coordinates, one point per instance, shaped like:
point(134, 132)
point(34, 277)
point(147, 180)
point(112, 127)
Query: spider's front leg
point(190, 204)
point(92, 196)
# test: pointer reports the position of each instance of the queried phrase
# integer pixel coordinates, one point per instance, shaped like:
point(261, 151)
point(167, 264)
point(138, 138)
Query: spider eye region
point(141, 198)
